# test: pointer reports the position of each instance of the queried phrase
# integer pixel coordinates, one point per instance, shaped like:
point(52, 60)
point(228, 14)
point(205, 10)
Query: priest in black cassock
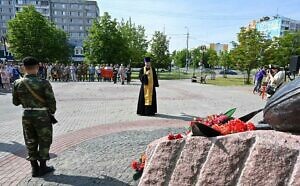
point(147, 105)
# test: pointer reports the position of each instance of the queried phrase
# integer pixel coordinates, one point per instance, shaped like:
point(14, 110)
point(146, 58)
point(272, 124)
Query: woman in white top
point(276, 78)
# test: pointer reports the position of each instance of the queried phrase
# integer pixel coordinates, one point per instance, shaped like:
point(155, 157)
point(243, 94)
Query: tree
point(31, 34)
point(179, 57)
point(213, 58)
point(225, 60)
point(136, 41)
point(196, 57)
point(247, 53)
point(160, 51)
point(281, 49)
point(105, 43)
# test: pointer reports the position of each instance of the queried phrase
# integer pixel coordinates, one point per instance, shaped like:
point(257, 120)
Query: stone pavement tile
point(101, 161)
point(104, 103)
point(21, 166)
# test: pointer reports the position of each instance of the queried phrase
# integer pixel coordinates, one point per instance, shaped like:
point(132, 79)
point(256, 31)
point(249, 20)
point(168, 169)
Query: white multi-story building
point(277, 25)
point(75, 17)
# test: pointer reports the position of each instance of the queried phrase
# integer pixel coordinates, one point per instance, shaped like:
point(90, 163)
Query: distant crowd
point(9, 72)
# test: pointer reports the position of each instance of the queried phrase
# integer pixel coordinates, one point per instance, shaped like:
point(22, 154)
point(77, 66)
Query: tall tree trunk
point(248, 76)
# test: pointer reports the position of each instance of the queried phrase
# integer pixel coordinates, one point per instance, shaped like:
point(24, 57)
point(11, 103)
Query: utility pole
point(187, 50)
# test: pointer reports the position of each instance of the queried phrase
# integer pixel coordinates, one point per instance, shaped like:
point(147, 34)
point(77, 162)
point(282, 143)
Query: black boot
point(44, 169)
point(34, 168)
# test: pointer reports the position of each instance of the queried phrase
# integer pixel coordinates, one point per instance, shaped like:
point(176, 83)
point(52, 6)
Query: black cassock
point(143, 109)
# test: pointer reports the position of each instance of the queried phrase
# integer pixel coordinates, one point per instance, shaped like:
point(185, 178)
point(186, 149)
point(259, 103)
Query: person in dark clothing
point(37, 99)
point(128, 74)
point(147, 104)
point(258, 80)
point(115, 75)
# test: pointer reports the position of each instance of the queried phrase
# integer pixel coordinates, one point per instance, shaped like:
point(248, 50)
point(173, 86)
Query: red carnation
point(171, 137)
point(250, 126)
point(135, 165)
point(178, 136)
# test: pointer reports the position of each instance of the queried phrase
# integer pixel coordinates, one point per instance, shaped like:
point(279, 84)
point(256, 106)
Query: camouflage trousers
point(38, 137)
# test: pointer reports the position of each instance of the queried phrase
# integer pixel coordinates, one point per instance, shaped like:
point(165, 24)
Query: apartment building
point(276, 26)
point(75, 17)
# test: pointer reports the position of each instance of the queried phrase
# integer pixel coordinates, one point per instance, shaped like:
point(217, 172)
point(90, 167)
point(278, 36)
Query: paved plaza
point(99, 133)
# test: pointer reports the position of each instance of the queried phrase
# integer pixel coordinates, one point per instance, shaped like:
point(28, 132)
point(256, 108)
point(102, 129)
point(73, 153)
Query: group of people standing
point(84, 72)
point(8, 74)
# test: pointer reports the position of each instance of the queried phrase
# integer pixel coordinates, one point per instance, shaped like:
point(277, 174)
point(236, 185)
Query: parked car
point(229, 72)
point(164, 70)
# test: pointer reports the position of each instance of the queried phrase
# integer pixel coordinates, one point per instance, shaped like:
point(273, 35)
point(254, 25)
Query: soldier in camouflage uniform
point(37, 98)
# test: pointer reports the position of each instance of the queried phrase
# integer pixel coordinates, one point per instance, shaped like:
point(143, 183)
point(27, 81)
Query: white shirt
point(278, 79)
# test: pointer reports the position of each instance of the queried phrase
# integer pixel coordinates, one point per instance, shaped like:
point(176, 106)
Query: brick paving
point(95, 109)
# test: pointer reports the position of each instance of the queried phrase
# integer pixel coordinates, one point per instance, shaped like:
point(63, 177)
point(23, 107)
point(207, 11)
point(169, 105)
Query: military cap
point(30, 61)
point(147, 59)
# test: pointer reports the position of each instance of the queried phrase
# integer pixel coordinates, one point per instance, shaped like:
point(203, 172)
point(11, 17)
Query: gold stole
point(148, 89)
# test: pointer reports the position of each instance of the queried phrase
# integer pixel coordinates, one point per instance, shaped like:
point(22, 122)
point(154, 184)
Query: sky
point(207, 21)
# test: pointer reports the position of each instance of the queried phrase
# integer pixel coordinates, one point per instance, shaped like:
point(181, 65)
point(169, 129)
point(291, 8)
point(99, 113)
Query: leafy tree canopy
point(31, 34)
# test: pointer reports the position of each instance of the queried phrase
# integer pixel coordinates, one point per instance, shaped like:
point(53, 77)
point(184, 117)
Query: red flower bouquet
point(174, 136)
point(138, 166)
point(221, 124)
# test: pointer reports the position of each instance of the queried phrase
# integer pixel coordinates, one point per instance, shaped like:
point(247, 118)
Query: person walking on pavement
point(258, 80)
point(37, 98)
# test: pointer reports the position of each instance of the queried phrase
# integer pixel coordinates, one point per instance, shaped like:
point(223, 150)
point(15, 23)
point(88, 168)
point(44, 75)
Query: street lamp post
point(169, 54)
point(187, 49)
point(203, 49)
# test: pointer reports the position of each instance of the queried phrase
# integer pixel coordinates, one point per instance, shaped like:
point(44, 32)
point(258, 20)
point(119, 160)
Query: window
point(44, 3)
point(78, 50)
point(64, 13)
point(74, 6)
point(63, 6)
point(73, 13)
point(81, 28)
point(20, 2)
point(91, 14)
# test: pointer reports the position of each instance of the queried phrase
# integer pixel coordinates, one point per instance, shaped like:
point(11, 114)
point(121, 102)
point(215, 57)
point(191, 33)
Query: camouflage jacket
point(21, 94)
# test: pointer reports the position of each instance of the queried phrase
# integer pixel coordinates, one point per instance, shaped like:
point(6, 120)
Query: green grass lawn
point(219, 81)
point(167, 75)
point(229, 81)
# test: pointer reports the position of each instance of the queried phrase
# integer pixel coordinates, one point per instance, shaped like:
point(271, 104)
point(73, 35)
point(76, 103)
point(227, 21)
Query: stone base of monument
point(249, 158)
